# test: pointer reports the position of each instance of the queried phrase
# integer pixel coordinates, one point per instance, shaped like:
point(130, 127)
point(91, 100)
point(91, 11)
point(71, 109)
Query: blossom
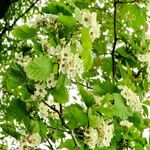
point(132, 99)
point(91, 137)
point(30, 141)
point(50, 82)
point(126, 123)
point(70, 63)
point(43, 110)
point(145, 59)
point(40, 90)
point(88, 18)
point(105, 131)
point(98, 100)
point(95, 31)
point(22, 60)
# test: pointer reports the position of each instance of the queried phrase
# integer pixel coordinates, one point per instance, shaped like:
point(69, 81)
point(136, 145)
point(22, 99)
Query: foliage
point(100, 50)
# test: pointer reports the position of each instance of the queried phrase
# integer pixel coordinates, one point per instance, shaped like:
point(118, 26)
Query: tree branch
point(50, 145)
point(76, 82)
point(115, 38)
point(63, 122)
point(5, 29)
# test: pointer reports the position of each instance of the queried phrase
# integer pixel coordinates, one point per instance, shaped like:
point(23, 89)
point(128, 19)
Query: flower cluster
point(40, 90)
point(45, 21)
point(51, 82)
point(145, 58)
point(30, 141)
point(132, 99)
point(45, 111)
point(126, 123)
point(89, 20)
point(69, 63)
point(101, 137)
point(22, 60)
point(91, 137)
point(105, 134)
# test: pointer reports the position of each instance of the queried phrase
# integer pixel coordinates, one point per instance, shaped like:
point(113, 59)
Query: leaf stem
point(63, 122)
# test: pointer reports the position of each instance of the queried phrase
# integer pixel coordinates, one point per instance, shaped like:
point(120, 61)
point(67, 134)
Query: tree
point(100, 49)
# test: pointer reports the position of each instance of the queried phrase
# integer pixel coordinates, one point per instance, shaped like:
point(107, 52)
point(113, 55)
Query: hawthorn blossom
point(145, 58)
point(30, 141)
point(43, 110)
point(132, 99)
point(70, 63)
point(22, 60)
point(105, 132)
point(126, 123)
point(91, 137)
point(40, 90)
point(50, 82)
point(89, 20)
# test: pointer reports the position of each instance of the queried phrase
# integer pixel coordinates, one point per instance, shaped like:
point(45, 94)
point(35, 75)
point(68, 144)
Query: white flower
point(35, 139)
point(54, 115)
point(145, 58)
point(22, 60)
point(105, 134)
point(126, 123)
point(97, 100)
point(70, 63)
point(29, 142)
point(132, 99)
point(43, 110)
point(95, 31)
point(91, 137)
point(50, 82)
point(40, 90)
point(100, 74)
point(88, 18)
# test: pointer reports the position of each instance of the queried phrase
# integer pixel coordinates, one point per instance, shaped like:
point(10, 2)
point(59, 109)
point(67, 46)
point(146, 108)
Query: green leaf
point(16, 110)
point(147, 102)
point(107, 112)
point(69, 144)
point(107, 64)
point(60, 92)
point(16, 77)
point(58, 134)
point(10, 130)
point(120, 109)
point(67, 21)
point(24, 93)
point(75, 116)
point(39, 69)
point(87, 97)
point(86, 54)
point(56, 8)
point(129, 58)
point(95, 121)
point(24, 32)
point(42, 130)
point(104, 88)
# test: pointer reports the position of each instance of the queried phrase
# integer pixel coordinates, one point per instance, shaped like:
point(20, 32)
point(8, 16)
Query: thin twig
point(63, 122)
point(22, 15)
point(115, 38)
point(50, 145)
point(76, 82)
